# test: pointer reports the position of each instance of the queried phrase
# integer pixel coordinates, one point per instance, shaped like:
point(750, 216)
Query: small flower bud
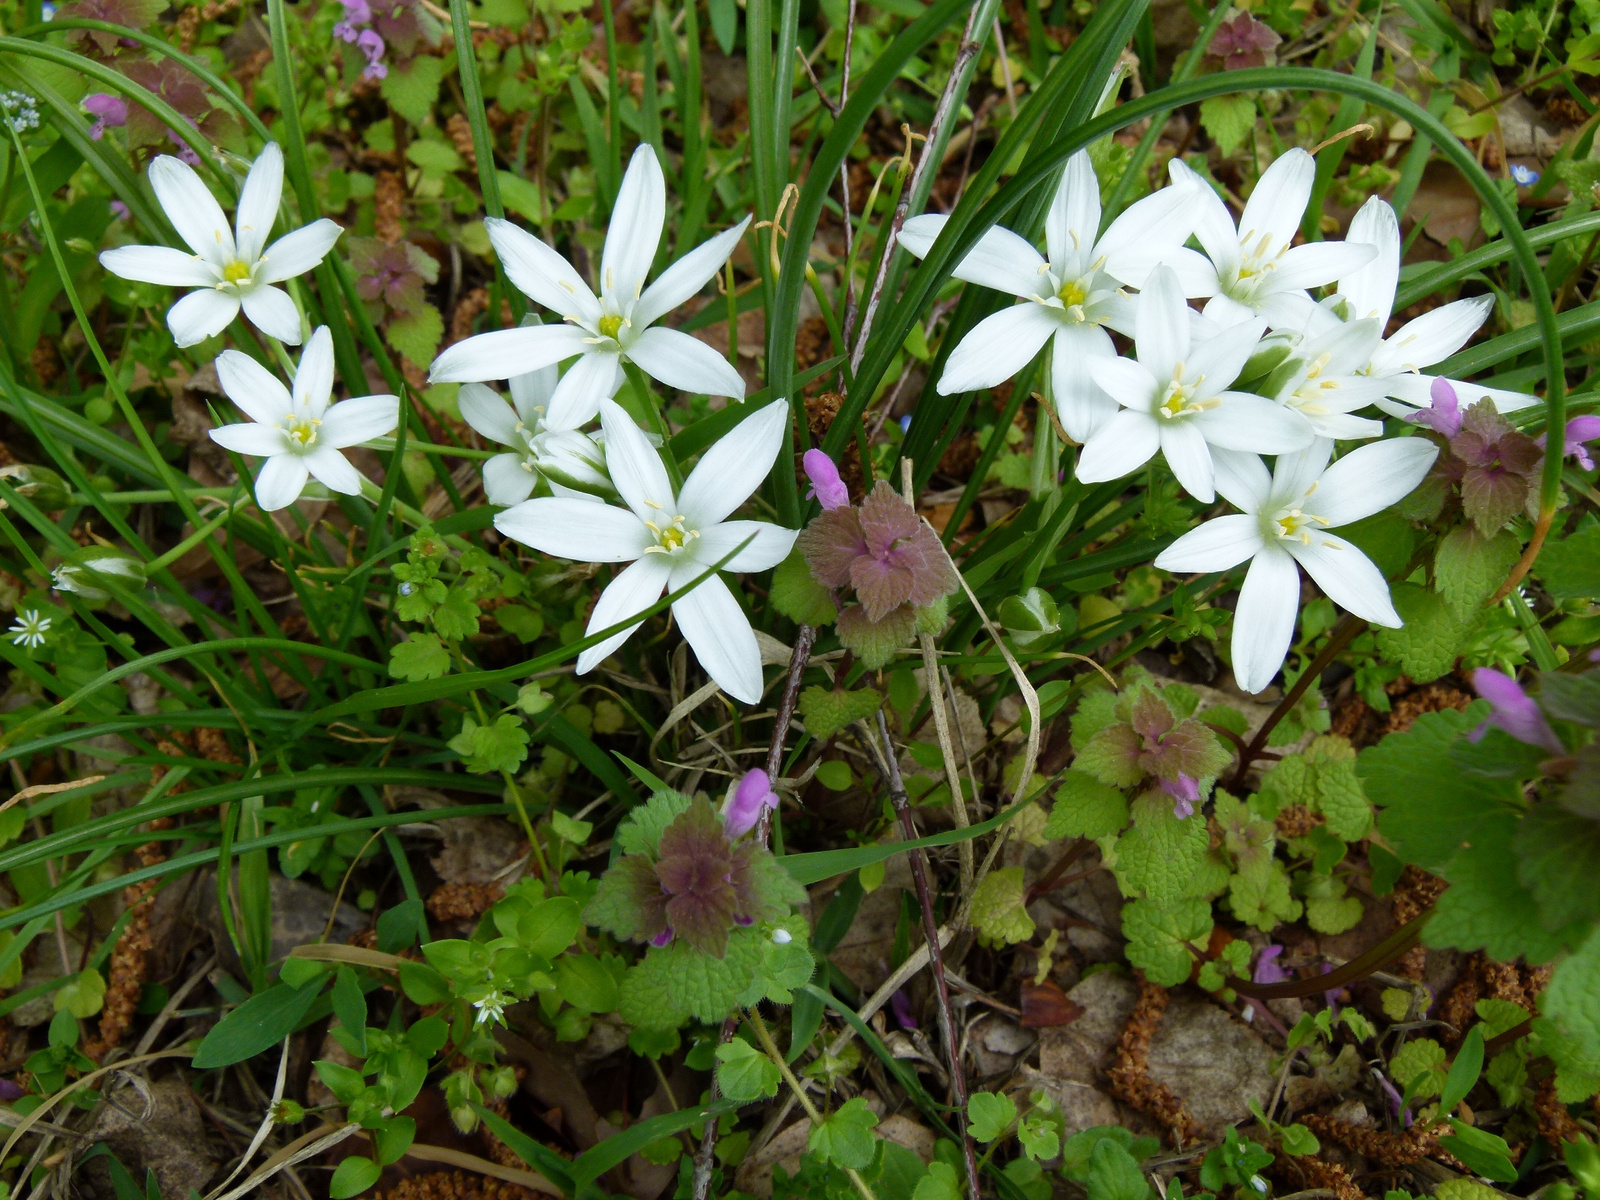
point(288, 1112)
point(41, 485)
point(781, 936)
point(464, 1118)
point(747, 802)
point(826, 486)
point(500, 1082)
point(95, 570)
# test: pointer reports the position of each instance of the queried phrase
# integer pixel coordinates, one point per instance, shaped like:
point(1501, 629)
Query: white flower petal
point(685, 363)
point(1161, 324)
point(298, 251)
point(634, 589)
point(684, 278)
point(541, 274)
point(635, 466)
point(1278, 202)
point(1127, 382)
point(1371, 478)
point(733, 467)
point(1254, 424)
point(201, 314)
point(1504, 401)
point(313, 378)
point(1317, 263)
point(351, 422)
point(1216, 545)
point(271, 311)
point(1342, 427)
point(1148, 233)
point(193, 211)
point(1184, 447)
point(1213, 224)
point(1263, 620)
point(771, 545)
point(506, 481)
point(1220, 358)
point(531, 392)
point(1081, 403)
point(1295, 475)
point(1432, 337)
point(280, 481)
point(1242, 479)
point(1001, 260)
point(159, 264)
point(254, 390)
point(1370, 290)
point(1295, 312)
point(580, 530)
point(1119, 447)
point(1347, 577)
point(635, 231)
point(1073, 221)
point(596, 376)
point(997, 347)
point(1223, 311)
point(334, 471)
point(482, 408)
point(258, 202)
point(1197, 276)
point(262, 441)
point(507, 352)
point(719, 633)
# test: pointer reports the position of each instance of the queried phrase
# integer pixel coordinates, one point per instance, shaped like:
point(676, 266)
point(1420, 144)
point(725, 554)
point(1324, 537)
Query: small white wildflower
point(491, 1008)
point(30, 629)
point(782, 937)
point(21, 111)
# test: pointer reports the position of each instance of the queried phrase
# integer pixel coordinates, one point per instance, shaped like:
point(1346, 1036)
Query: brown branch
point(1536, 543)
point(930, 931)
point(1380, 956)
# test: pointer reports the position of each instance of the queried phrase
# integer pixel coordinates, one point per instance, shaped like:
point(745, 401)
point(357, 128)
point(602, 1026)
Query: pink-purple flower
point(108, 111)
point(1267, 968)
point(1580, 432)
point(1445, 415)
point(1515, 711)
point(745, 804)
point(826, 486)
point(1185, 793)
point(355, 29)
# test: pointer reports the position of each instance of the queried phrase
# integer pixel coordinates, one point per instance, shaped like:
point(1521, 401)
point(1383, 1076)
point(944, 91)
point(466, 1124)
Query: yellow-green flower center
point(302, 432)
point(671, 536)
point(236, 272)
point(1295, 524)
point(1073, 293)
point(610, 326)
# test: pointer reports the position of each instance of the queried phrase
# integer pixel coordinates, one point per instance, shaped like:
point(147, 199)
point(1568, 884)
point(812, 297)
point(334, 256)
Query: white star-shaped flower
point(1175, 398)
point(671, 539)
point(609, 329)
point(232, 268)
point(1394, 364)
point(300, 434)
point(1284, 520)
point(29, 629)
point(1073, 296)
point(1254, 268)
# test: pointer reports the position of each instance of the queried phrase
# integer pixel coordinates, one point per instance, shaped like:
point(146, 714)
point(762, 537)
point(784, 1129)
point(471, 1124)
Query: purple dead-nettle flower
point(699, 886)
point(1445, 414)
point(745, 804)
point(1267, 968)
point(1243, 42)
point(1185, 793)
point(1580, 431)
point(371, 44)
point(883, 550)
point(900, 1006)
point(108, 111)
point(1515, 711)
point(826, 486)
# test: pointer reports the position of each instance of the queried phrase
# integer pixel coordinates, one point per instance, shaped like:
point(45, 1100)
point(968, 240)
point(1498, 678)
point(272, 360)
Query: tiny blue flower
point(905, 423)
point(1524, 176)
point(405, 589)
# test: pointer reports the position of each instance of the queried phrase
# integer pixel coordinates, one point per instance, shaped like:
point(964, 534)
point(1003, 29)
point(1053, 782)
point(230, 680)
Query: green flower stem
point(387, 444)
point(795, 1086)
point(198, 536)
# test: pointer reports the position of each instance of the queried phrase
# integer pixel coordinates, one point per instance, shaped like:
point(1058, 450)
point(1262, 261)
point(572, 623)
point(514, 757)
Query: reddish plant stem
point(798, 660)
point(930, 931)
point(1343, 634)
